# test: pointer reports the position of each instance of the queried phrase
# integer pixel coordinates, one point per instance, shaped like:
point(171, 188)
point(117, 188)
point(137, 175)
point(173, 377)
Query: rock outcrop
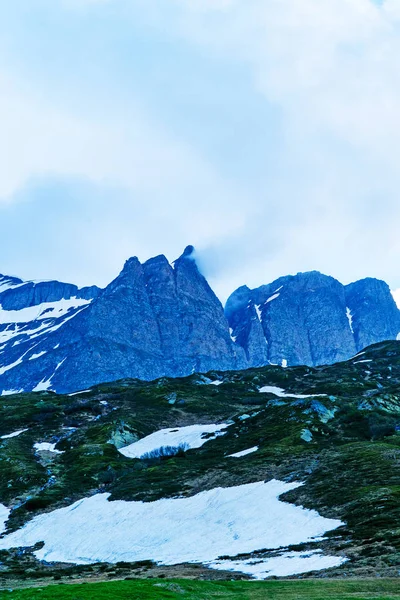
point(311, 319)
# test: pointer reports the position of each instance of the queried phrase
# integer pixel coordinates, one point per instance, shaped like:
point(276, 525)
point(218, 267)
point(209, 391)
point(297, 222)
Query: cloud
point(265, 133)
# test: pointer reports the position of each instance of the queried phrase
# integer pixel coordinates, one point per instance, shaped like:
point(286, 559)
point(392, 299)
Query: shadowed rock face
point(311, 319)
point(153, 320)
point(156, 319)
point(375, 316)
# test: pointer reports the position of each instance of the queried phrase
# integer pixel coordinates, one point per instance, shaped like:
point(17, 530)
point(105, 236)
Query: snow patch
point(233, 337)
point(45, 384)
point(366, 360)
point(81, 392)
point(11, 392)
point(271, 389)
point(273, 297)
point(47, 310)
point(199, 529)
point(258, 311)
point(47, 447)
point(216, 382)
point(191, 436)
point(12, 435)
point(350, 319)
point(38, 355)
point(288, 563)
point(11, 366)
point(4, 514)
point(243, 452)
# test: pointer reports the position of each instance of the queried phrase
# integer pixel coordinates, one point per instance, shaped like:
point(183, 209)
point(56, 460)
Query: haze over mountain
point(159, 319)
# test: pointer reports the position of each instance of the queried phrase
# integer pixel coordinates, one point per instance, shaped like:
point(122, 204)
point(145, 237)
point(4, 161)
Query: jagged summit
point(151, 320)
point(156, 319)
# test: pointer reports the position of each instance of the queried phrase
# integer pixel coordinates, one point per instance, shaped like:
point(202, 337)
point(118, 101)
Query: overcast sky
point(264, 132)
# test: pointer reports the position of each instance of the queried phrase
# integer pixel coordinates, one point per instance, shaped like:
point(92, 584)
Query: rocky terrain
point(159, 319)
point(333, 429)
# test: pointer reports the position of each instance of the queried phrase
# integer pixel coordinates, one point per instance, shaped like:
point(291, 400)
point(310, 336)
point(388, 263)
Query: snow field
point(191, 436)
point(199, 529)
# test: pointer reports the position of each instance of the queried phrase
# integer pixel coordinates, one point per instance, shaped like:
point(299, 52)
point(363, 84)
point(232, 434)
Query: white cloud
point(328, 68)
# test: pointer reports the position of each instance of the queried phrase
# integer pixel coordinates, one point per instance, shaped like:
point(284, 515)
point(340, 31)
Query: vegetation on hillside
point(343, 443)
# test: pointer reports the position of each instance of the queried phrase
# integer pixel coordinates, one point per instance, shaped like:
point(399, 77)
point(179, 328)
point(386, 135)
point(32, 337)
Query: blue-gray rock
point(156, 319)
point(373, 312)
point(153, 320)
point(311, 319)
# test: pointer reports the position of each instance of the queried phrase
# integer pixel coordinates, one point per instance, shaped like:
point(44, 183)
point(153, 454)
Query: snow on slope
point(277, 391)
point(287, 563)
point(243, 452)
point(22, 331)
point(191, 437)
point(13, 435)
point(37, 320)
point(4, 513)
point(199, 529)
point(47, 447)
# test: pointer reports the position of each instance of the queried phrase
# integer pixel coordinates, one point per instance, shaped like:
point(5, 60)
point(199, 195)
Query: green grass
point(384, 589)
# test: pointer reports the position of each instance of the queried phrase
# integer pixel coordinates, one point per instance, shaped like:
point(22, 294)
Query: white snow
point(277, 391)
point(243, 452)
point(4, 514)
point(258, 311)
point(45, 384)
point(367, 360)
point(273, 297)
point(11, 366)
point(350, 318)
point(191, 437)
point(81, 392)
point(233, 337)
point(287, 563)
point(284, 363)
point(12, 435)
point(47, 310)
point(42, 386)
point(38, 355)
point(35, 321)
point(216, 382)
point(11, 392)
point(47, 447)
point(199, 529)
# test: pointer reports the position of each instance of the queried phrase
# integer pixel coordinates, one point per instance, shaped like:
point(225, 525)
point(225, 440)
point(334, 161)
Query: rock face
point(311, 319)
point(153, 320)
point(156, 319)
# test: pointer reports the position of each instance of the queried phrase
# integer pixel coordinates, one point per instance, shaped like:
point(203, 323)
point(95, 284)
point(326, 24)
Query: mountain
point(154, 319)
point(311, 319)
point(159, 319)
point(265, 472)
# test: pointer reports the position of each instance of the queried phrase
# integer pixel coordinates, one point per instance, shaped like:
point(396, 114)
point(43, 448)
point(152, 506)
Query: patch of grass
point(163, 589)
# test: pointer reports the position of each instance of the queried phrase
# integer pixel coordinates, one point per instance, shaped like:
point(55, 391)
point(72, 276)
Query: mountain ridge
point(159, 319)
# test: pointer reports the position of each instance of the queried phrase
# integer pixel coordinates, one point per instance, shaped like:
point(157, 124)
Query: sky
point(264, 132)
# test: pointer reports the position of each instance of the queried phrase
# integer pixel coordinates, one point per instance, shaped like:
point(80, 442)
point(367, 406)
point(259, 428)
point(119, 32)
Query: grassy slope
point(196, 590)
point(351, 468)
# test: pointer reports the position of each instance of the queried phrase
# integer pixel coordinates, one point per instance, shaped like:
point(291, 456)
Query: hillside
point(333, 429)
